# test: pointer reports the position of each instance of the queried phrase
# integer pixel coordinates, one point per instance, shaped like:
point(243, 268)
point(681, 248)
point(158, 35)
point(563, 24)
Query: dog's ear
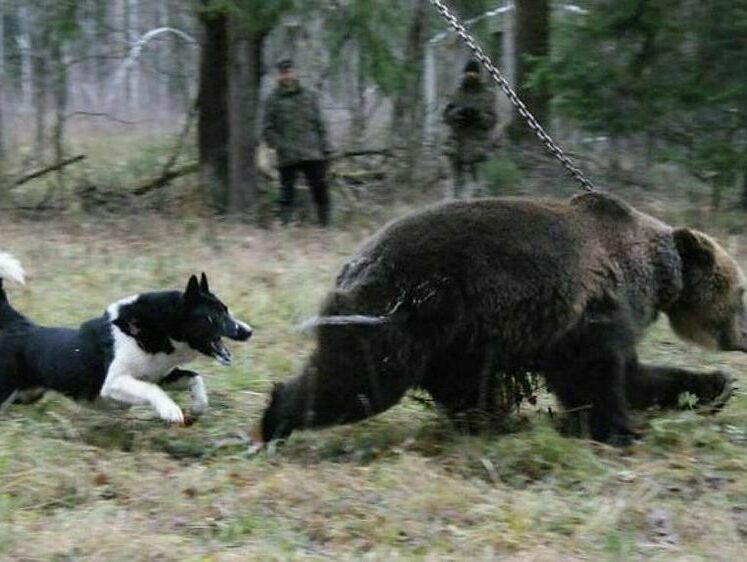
point(204, 283)
point(193, 289)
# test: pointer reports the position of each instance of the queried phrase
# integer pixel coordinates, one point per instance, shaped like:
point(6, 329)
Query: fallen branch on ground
point(52, 168)
point(363, 152)
point(360, 176)
point(166, 177)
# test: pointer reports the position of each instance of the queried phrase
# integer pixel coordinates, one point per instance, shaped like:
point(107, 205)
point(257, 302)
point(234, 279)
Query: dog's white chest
point(140, 364)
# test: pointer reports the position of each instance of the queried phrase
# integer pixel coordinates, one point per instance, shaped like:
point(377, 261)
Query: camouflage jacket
point(293, 126)
point(470, 114)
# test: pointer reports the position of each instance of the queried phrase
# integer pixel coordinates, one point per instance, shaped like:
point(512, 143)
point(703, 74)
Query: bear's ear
point(694, 247)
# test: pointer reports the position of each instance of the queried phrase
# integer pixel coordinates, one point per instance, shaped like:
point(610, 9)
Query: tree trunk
point(357, 96)
point(244, 74)
point(3, 186)
point(177, 85)
point(212, 128)
point(60, 96)
point(405, 102)
point(159, 87)
point(25, 40)
point(2, 128)
point(716, 193)
point(2, 92)
point(132, 83)
point(407, 121)
point(430, 94)
point(100, 68)
point(532, 39)
point(39, 69)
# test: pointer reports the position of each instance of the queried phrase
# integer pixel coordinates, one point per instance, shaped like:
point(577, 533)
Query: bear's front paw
point(717, 392)
point(618, 433)
point(624, 439)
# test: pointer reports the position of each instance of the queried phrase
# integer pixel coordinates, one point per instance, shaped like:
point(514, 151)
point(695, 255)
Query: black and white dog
point(124, 357)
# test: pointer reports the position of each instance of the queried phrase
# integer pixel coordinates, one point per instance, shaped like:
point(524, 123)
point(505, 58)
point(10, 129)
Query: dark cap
point(472, 66)
point(285, 64)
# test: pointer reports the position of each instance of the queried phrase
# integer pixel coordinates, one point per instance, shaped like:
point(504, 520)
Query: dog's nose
point(243, 331)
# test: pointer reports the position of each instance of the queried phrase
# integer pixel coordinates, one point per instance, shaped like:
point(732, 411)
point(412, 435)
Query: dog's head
point(207, 320)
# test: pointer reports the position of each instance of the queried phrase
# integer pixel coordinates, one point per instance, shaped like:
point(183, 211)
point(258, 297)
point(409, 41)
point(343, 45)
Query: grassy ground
point(77, 484)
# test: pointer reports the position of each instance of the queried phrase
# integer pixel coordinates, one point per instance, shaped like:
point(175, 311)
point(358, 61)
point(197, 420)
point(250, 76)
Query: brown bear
point(562, 288)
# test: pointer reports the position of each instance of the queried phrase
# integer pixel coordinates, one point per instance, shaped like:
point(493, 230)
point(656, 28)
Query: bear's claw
point(719, 401)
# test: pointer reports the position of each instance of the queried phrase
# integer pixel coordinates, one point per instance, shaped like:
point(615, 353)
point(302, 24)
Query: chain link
point(520, 107)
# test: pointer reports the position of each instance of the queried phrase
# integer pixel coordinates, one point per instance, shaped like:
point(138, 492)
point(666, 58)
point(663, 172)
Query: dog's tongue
point(220, 352)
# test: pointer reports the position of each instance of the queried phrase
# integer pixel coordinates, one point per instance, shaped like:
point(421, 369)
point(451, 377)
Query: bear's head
point(709, 309)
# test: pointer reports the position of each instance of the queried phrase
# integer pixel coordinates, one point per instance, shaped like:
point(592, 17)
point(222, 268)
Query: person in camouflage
point(470, 114)
point(293, 126)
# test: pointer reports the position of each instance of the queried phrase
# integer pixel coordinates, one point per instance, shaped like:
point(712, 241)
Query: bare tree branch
point(165, 178)
point(99, 114)
point(363, 152)
point(51, 168)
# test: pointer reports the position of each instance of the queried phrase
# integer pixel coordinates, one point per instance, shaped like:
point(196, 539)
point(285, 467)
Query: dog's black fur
point(73, 362)
point(76, 362)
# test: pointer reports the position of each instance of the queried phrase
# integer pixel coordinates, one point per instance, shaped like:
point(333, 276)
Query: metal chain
point(520, 107)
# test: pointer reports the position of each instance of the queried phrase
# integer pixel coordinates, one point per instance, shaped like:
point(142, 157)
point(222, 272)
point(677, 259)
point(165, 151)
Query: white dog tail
point(11, 269)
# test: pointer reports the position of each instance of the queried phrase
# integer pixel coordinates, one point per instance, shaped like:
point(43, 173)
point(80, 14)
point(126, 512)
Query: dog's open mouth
point(220, 352)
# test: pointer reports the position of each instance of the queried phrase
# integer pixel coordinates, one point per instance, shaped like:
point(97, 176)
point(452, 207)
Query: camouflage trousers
point(466, 180)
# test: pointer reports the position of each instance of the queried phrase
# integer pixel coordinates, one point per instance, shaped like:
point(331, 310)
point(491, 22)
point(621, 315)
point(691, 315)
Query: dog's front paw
point(171, 413)
point(199, 397)
point(198, 406)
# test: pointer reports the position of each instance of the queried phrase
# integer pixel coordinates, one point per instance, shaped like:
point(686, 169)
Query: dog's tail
point(11, 270)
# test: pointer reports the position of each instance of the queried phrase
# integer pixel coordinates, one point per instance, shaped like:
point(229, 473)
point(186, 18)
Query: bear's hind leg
point(650, 385)
point(593, 392)
point(463, 384)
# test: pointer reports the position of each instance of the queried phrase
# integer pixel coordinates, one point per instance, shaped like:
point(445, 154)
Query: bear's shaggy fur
point(561, 288)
